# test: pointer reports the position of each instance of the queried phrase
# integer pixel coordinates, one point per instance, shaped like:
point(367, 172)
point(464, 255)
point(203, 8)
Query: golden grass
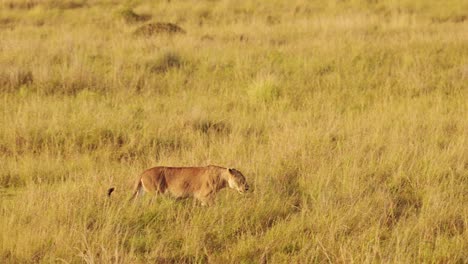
point(348, 118)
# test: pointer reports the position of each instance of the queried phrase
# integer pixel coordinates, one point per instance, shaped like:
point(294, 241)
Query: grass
point(265, 89)
point(348, 119)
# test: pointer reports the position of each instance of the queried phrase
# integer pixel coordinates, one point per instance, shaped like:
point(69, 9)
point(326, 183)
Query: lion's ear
point(231, 170)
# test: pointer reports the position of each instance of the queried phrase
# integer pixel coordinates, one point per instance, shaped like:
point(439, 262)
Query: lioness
point(202, 183)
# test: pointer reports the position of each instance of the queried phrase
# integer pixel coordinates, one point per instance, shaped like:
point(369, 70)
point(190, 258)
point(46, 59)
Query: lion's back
point(186, 180)
point(180, 181)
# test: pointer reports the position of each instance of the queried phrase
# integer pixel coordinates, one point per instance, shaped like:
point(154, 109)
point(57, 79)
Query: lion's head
point(236, 181)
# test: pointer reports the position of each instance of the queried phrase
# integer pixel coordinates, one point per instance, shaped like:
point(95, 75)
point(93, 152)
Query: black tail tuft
point(109, 192)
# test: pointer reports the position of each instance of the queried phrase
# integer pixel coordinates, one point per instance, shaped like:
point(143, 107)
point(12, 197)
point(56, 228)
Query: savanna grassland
point(348, 118)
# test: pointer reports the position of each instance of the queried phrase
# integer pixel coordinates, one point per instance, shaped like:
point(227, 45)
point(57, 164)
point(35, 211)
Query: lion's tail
point(110, 191)
point(136, 190)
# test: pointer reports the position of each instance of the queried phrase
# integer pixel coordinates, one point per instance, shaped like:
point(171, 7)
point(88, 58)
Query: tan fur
point(202, 183)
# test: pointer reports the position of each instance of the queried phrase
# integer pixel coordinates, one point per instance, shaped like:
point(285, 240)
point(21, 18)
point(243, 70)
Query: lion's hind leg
point(137, 190)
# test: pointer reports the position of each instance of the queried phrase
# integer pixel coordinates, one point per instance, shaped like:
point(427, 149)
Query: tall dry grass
point(349, 119)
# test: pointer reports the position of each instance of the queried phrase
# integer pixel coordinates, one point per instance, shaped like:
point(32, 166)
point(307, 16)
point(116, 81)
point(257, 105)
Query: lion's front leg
point(206, 200)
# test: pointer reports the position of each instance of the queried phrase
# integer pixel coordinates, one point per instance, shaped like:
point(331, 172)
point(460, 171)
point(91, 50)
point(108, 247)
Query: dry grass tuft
point(11, 79)
point(264, 89)
point(211, 127)
point(130, 17)
point(158, 28)
point(405, 201)
point(164, 62)
point(30, 4)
